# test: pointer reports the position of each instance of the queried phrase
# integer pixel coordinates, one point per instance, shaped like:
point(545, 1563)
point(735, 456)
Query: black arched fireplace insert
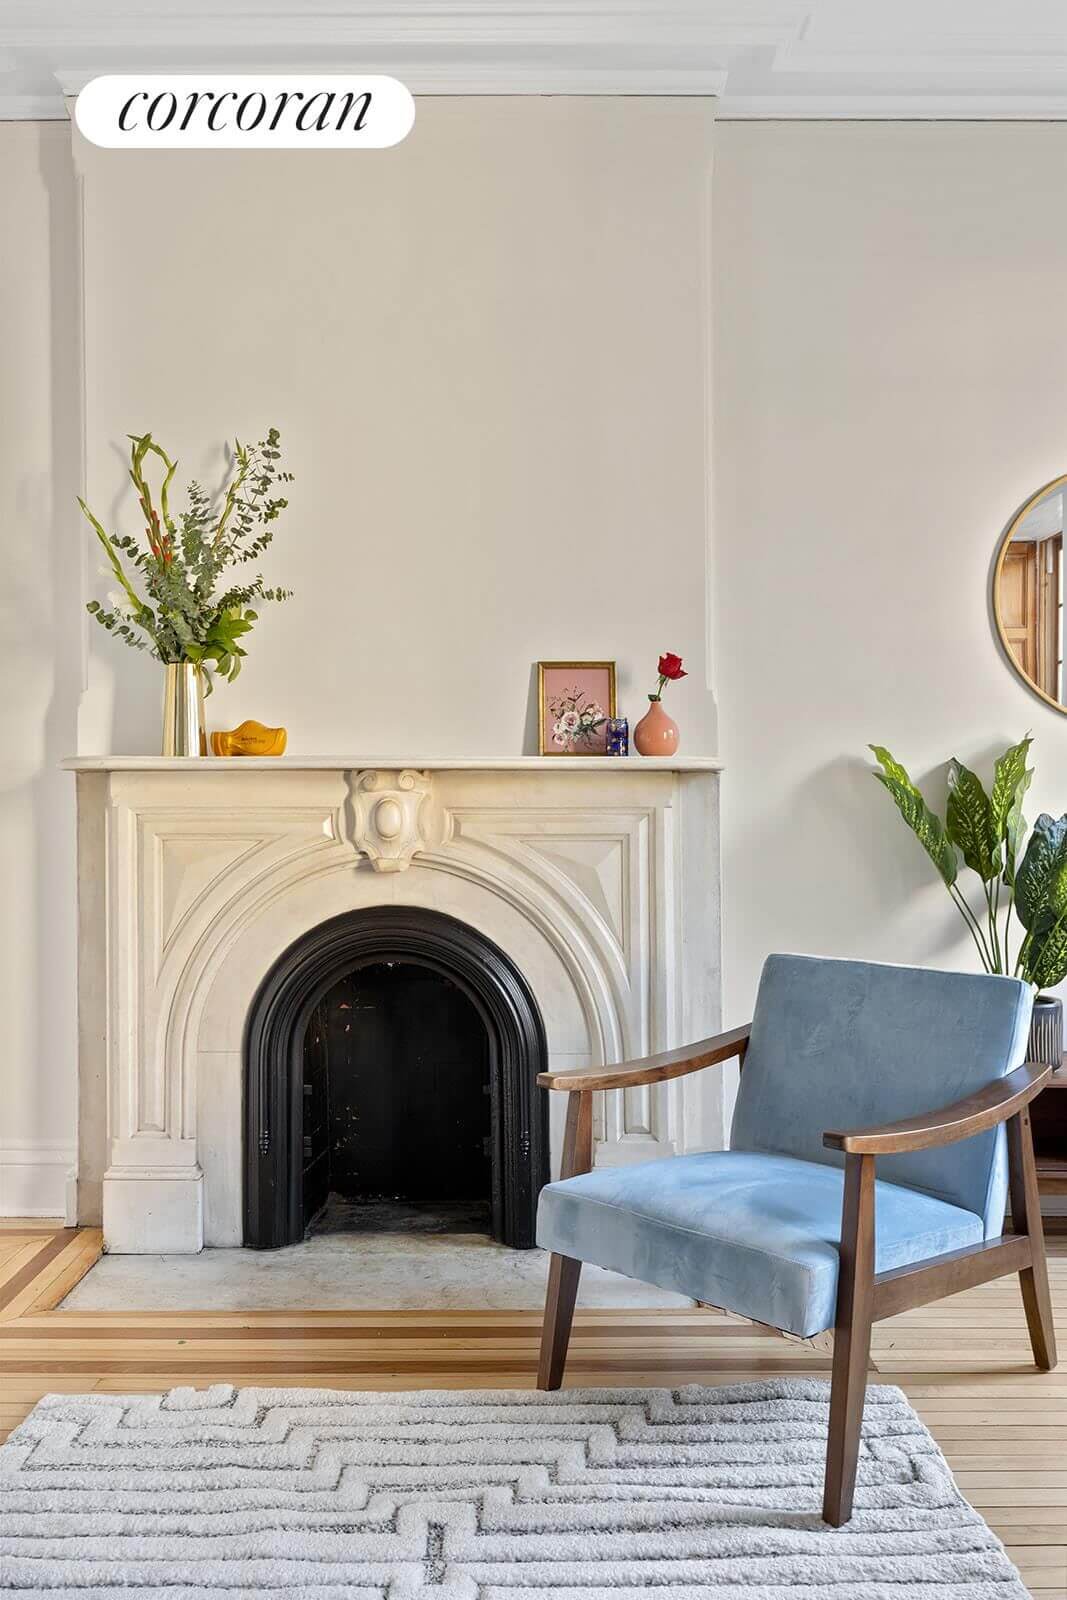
point(438, 1028)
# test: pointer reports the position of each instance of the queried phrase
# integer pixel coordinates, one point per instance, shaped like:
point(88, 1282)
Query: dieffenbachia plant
point(986, 831)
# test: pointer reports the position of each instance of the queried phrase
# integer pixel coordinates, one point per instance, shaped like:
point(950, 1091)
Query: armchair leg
point(1026, 1218)
point(563, 1275)
point(852, 1339)
point(564, 1271)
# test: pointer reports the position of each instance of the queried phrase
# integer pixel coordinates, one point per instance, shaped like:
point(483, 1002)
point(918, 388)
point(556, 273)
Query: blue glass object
point(618, 736)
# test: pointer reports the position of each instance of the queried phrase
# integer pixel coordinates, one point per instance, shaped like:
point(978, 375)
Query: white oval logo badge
point(206, 111)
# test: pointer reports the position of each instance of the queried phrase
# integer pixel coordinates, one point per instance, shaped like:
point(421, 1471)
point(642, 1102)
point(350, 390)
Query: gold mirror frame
point(1002, 550)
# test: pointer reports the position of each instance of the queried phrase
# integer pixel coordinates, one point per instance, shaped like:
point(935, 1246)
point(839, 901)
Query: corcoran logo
point(244, 112)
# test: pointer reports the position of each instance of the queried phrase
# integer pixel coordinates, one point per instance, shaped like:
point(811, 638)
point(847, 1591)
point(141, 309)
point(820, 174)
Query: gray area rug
point(453, 1495)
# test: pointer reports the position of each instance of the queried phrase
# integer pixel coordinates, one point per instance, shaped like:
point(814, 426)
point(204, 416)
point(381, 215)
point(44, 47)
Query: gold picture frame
point(569, 689)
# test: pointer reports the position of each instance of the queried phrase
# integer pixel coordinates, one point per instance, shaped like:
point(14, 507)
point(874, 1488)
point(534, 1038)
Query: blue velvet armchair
point(845, 1062)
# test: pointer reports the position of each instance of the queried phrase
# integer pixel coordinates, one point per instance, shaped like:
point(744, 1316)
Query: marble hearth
point(598, 879)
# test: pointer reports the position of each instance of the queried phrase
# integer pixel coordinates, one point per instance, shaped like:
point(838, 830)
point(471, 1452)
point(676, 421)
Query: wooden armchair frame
point(863, 1295)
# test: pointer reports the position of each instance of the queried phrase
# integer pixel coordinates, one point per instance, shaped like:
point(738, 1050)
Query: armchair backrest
point(847, 1044)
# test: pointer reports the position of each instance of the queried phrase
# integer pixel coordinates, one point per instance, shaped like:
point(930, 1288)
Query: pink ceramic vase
point(657, 733)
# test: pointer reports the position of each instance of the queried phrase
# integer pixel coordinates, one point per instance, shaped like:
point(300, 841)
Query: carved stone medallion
point(387, 816)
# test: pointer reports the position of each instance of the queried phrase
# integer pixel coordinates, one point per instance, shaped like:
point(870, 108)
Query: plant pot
point(184, 732)
point(657, 733)
point(1046, 1032)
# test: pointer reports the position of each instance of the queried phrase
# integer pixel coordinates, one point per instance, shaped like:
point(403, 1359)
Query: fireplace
point(573, 904)
point(392, 1052)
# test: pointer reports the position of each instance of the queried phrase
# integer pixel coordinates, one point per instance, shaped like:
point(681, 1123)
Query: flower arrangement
point(576, 719)
point(173, 599)
point(670, 670)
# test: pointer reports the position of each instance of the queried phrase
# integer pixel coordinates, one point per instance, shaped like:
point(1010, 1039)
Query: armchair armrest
point(651, 1069)
point(994, 1103)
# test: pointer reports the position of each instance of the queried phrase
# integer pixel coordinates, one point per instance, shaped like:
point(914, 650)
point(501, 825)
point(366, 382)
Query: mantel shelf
point(294, 763)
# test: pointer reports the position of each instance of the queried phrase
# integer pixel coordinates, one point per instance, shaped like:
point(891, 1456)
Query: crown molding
point(881, 53)
point(474, 47)
point(811, 59)
point(462, 78)
point(31, 108)
point(893, 108)
point(604, 24)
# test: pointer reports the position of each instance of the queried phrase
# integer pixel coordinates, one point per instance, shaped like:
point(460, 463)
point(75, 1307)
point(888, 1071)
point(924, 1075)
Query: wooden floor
point(964, 1363)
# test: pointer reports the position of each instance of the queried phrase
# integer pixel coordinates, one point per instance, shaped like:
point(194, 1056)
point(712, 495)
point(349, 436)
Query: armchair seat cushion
point(755, 1233)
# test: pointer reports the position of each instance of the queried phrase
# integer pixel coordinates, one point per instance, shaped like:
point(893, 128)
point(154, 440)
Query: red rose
point(670, 666)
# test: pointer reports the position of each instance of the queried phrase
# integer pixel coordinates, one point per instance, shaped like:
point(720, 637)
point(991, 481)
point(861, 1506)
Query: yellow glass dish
point(250, 739)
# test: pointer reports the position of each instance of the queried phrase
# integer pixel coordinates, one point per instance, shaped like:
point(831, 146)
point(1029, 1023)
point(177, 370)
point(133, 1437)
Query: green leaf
point(116, 564)
point(891, 767)
point(969, 821)
point(1041, 881)
point(917, 814)
point(1008, 773)
point(1014, 827)
point(1045, 962)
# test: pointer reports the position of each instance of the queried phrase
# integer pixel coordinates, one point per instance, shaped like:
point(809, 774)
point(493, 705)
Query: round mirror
point(1028, 593)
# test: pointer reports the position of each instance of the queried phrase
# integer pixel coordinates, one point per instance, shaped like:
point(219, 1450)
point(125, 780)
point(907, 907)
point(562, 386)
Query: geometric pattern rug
point(596, 1494)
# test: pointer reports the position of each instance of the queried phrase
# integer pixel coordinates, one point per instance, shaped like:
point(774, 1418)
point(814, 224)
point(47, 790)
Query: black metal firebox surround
point(273, 1057)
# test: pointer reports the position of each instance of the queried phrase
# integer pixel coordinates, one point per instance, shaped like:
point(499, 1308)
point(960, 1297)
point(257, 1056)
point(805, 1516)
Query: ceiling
point(960, 59)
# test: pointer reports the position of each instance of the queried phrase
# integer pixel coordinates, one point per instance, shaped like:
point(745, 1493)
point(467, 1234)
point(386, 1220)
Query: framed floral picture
point(575, 699)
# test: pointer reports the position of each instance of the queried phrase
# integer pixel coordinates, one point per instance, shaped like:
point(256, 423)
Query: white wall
point(41, 634)
point(891, 383)
point(487, 353)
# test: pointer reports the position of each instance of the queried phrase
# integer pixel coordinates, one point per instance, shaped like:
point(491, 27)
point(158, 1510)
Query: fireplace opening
point(391, 1057)
point(396, 1103)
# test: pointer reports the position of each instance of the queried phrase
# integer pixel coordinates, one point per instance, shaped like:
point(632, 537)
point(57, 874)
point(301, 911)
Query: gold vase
point(184, 733)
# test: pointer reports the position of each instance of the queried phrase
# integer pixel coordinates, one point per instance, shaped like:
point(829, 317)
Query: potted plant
point(985, 831)
point(179, 597)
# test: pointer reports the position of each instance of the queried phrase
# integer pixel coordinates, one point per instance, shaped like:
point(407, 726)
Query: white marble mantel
point(599, 877)
point(288, 763)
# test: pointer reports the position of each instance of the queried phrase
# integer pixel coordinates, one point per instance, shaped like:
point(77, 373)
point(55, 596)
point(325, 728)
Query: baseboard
point(36, 1179)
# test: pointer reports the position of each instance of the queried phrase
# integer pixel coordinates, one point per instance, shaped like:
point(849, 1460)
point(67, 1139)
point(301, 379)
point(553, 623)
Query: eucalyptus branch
point(192, 613)
point(244, 463)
